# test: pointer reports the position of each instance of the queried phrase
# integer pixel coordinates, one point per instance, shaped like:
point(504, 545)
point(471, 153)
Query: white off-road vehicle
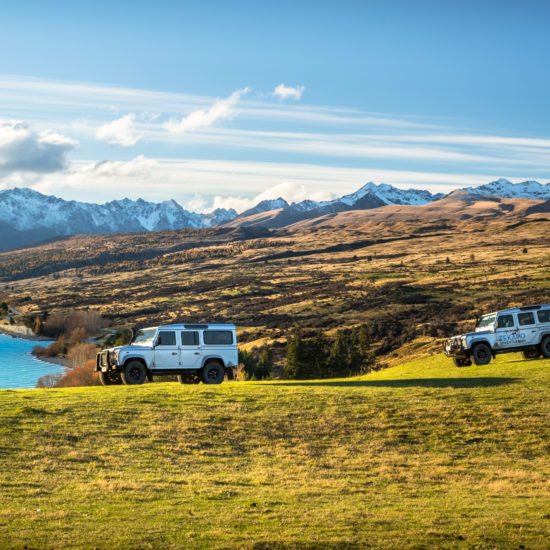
point(525, 329)
point(192, 352)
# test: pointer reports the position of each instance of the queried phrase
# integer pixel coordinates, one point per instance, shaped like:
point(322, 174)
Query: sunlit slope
point(420, 455)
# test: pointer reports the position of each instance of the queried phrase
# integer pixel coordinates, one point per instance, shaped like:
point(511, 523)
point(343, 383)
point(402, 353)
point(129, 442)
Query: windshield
point(487, 321)
point(145, 336)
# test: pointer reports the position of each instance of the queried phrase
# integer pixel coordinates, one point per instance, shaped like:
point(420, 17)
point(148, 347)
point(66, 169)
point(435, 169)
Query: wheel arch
point(481, 341)
point(135, 358)
point(214, 359)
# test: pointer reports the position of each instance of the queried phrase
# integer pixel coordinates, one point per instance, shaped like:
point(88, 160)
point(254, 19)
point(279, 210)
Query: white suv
point(525, 329)
point(193, 352)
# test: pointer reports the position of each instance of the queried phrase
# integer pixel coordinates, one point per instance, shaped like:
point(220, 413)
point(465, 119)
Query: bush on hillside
point(82, 375)
point(64, 323)
point(80, 353)
point(55, 349)
point(349, 354)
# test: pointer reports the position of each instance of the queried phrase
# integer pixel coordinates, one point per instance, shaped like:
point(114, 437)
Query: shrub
point(80, 354)
point(64, 323)
point(55, 349)
point(79, 376)
point(49, 380)
point(349, 355)
point(251, 368)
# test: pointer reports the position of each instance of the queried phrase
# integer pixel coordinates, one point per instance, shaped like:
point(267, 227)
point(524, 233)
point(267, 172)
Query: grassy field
point(422, 455)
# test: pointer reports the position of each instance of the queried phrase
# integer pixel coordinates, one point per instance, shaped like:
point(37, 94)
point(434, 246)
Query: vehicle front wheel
point(530, 354)
point(545, 346)
point(213, 373)
point(134, 372)
point(481, 354)
point(462, 362)
point(110, 378)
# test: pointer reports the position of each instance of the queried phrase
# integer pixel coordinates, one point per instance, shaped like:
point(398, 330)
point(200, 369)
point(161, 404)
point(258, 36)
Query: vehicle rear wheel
point(545, 346)
point(531, 354)
point(110, 378)
point(212, 373)
point(188, 378)
point(134, 372)
point(462, 362)
point(481, 354)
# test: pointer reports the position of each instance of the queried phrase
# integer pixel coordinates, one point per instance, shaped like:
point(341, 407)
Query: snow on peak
point(529, 189)
point(25, 209)
point(390, 195)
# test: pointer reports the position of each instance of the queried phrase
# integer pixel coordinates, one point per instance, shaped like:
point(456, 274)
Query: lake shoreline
point(20, 331)
point(19, 368)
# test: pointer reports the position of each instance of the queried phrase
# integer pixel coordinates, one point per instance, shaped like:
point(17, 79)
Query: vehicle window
point(487, 320)
point(166, 338)
point(218, 337)
point(505, 321)
point(544, 316)
point(526, 318)
point(144, 335)
point(190, 338)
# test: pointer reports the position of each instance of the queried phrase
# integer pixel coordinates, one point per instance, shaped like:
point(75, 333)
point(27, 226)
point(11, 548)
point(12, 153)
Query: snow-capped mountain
point(367, 197)
point(388, 194)
point(503, 188)
point(32, 217)
point(27, 216)
point(266, 206)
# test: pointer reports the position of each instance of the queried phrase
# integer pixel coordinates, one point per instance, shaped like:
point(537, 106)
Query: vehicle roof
point(195, 326)
point(522, 308)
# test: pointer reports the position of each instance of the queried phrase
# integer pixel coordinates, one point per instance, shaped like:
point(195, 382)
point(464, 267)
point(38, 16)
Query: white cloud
point(290, 191)
point(120, 131)
point(24, 150)
point(137, 167)
point(284, 92)
point(223, 109)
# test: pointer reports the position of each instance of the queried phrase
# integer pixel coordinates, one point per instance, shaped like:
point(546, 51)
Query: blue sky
point(219, 103)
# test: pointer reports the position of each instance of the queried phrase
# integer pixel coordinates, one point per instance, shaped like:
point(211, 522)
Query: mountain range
point(27, 216)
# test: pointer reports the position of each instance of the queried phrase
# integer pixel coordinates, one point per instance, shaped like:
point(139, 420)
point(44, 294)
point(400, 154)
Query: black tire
point(110, 378)
point(545, 346)
point(212, 373)
point(462, 362)
point(530, 354)
point(188, 378)
point(134, 372)
point(481, 354)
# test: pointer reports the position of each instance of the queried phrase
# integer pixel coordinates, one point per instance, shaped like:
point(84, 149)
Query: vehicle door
point(528, 328)
point(190, 349)
point(167, 353)
point(506, 332)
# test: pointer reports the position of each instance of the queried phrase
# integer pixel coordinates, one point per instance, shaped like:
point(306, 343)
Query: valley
point(413, 273)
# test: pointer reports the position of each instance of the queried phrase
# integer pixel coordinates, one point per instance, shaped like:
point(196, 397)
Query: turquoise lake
point(18, 368)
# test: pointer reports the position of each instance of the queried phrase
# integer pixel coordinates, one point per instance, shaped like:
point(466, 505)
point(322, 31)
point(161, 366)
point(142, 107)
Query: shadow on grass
point(477, 382)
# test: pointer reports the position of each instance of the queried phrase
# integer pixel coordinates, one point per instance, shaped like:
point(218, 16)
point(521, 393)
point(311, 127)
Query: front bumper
point(454, 347)
point(105, 361)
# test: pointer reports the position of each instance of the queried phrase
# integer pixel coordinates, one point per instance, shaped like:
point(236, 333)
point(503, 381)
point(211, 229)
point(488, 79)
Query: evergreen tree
point(339, 360)
point(250, 364)
point(265, 364)
point(296, 362)
point(317, 354)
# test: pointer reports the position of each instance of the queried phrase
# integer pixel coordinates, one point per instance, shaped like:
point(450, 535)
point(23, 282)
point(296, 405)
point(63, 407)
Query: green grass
point(423, 455)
